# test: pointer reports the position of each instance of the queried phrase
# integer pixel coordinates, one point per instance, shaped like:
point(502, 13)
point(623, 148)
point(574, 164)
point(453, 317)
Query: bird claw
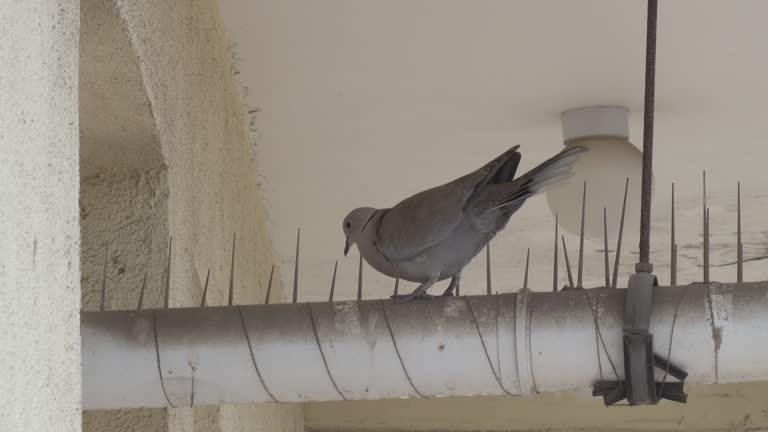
point(403, 298)
point(418, 293)
point(453, 287)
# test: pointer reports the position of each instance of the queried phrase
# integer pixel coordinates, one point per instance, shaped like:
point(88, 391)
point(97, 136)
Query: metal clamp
point(639, 386)
point(638, 341)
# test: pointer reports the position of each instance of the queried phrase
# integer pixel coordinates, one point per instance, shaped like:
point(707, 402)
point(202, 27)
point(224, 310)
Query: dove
point(432, 235)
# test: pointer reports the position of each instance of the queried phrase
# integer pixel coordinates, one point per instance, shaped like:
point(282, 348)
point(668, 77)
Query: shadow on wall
point(123, 180)
point(164, 152)
point(123, 186)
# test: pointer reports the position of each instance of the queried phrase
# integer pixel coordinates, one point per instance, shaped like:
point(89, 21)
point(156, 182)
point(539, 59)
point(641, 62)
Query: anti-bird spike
point(488, 269)
point(605, 246)
point(333, 281)
point(525, 277)
point(704, 233)
point(739, 248)
point(269, 285)
point(205, 288)
point(554, 262)
point(674, 264)
point(360, 278)
point(231, 297)
point(581, 235)
point(167, 299)
point(617, 258)
point(141, 292)
point(673, 245)
point(706, 246)
point(567, 263)
point(295, 297)
point(104, 278)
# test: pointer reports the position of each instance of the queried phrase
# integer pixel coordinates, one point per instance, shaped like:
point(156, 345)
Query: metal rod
point(231, 297)
point(581, 235)
point(567, 263)
point(397, 285)
point(648, 113)
point(554, 262)
point(205, 288)
point(706, 246)
point(167, 299)
point(739, 249)
point(269, 285)
point(141, 293)
point(333, 281)
point(104, 278)
point(605, 248)
point(673, 245)
point(488, 268)
point(295, 297)
point(360, 277)
point(525, 277)
point(617, 258)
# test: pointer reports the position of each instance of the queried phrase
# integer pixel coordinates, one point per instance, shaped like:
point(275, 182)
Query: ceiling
point(359, 103)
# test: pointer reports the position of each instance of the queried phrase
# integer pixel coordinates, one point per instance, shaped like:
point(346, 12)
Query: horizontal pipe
point(518, 344)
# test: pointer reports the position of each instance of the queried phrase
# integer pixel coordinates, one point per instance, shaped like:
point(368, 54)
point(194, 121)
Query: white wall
point(39, 230)
point(364, 103)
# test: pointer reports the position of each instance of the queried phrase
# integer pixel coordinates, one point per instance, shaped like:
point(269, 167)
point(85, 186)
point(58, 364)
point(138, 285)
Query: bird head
point(354, 224)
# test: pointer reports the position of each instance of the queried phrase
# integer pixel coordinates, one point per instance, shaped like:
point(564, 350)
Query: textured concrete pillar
point(165, 153)
point(39, 221)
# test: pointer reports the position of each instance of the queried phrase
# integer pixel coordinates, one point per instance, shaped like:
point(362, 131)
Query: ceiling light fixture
point(611, 160)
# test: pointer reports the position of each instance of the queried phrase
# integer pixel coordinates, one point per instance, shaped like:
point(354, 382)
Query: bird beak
point(346, 247)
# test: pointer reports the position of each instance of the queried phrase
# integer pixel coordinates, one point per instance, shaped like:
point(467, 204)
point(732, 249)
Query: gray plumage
point(434, 234)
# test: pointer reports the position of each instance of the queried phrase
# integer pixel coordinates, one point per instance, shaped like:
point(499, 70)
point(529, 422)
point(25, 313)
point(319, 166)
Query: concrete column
point(165, 153)
point(39, 220)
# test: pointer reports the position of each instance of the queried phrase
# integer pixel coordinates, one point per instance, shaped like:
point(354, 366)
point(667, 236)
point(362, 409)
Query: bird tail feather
point(554, 170)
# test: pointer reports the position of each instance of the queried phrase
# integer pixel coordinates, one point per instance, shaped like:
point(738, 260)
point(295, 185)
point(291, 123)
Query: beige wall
point(732, 407)
point(39, 232)
point(164, 153)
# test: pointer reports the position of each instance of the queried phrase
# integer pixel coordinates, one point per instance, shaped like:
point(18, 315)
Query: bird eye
point(348, 224)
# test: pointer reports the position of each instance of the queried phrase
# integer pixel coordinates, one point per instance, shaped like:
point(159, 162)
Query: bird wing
point(427, 218)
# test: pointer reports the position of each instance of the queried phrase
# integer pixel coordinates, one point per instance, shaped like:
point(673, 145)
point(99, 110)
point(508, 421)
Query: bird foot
point(453, 287)
point(403, 298)
point(418, 293)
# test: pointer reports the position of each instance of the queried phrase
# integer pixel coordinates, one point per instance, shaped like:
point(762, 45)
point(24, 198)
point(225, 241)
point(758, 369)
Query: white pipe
point(531, 343)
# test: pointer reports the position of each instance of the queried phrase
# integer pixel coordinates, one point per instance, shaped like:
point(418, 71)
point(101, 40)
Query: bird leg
point(419, 293)
point(454, 285)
